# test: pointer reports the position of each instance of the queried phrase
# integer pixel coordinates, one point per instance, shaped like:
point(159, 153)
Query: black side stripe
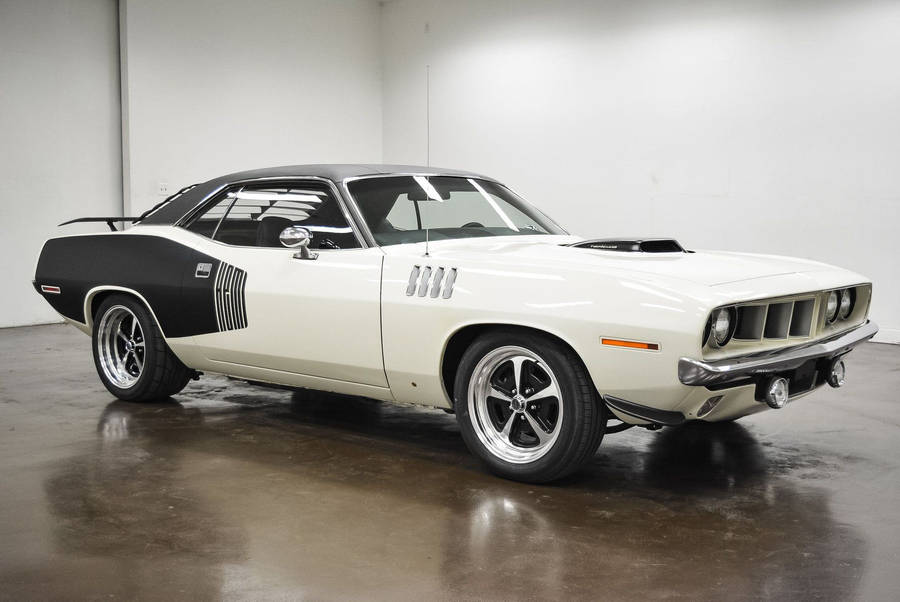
point(229, 299)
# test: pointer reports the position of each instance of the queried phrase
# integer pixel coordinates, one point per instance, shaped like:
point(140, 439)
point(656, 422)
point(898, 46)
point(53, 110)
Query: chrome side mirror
point(297, 237)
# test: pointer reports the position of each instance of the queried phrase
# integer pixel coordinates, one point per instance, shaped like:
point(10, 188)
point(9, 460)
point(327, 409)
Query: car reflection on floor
point(337, 496)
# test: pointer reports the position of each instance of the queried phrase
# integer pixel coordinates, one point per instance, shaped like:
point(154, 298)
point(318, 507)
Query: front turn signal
point(630, 344)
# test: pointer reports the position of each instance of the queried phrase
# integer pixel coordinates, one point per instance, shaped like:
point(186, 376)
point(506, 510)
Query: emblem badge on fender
point(203, 270)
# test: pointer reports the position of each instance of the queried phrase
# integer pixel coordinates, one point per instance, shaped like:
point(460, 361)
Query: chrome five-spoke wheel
point(526, 405)
point(515, 404)
point(120, 346)
point(131, 356)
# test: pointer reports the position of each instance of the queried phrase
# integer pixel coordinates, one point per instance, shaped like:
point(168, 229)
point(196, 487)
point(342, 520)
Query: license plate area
point(802, 379)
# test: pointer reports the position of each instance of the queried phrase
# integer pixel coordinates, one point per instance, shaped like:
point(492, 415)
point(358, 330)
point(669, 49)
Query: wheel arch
point(96, 295)
point(461, 338)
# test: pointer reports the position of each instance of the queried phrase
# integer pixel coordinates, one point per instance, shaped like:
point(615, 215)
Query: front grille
point(788, 320)
point(777, 320)
point(750, 322)
point(801, 317)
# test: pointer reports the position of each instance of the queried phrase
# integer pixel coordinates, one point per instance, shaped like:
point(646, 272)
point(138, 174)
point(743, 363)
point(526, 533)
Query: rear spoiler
point(110, 221)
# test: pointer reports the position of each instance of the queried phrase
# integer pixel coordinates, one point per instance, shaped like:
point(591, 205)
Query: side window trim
point(224, 214)
point(216, 196)
point(354, 219)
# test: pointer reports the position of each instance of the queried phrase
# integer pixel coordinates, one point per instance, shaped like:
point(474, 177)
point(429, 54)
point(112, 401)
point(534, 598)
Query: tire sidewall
point(554, 355)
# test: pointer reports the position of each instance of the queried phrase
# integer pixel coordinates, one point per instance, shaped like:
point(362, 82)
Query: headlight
point(831, 308)
point(722, 326)
point(846, 303)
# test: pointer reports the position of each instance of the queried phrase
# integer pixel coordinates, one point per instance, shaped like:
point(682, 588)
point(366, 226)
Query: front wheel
point(526, 406)
point(130, 354)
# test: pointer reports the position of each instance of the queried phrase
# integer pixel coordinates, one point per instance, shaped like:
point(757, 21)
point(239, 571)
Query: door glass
point(255, 216)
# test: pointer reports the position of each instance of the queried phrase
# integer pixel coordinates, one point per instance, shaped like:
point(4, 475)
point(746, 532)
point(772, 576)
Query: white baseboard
point(887, 335)
point(22, 324)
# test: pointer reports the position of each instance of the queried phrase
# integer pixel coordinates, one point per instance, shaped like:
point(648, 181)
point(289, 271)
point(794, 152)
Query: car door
point(281, 318)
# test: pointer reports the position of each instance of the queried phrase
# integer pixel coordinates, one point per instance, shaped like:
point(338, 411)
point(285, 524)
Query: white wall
point(209, 87)
point(744, 125)
point(60, 153)
point(779, 121)
point(215, 86)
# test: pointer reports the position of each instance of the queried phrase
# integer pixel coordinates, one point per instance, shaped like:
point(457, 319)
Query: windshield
point(399, 209)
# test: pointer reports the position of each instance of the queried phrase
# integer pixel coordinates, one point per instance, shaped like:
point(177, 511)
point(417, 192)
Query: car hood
point(710, 268)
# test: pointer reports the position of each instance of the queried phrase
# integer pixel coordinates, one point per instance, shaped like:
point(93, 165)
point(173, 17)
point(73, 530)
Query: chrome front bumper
point(700, 373)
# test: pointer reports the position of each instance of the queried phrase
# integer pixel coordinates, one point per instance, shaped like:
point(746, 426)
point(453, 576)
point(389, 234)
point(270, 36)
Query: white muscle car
point(444, 288)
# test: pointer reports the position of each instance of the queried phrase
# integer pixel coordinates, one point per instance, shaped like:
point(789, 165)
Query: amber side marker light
point(630, 344)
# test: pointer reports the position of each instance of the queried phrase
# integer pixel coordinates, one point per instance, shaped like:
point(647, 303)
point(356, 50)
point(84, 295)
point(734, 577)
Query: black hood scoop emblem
point(632, 245)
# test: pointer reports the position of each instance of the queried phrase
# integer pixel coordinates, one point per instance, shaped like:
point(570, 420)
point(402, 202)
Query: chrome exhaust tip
point(837, 373)
point(777, 393)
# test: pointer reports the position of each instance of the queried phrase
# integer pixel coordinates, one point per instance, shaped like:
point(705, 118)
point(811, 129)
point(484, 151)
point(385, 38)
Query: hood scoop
point(632, 245)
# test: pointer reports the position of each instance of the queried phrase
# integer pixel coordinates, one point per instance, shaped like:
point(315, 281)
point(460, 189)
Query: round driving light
point(777, 393)
point(722, 325)
point(831, 307)
point(846, 304)
point(837, 373)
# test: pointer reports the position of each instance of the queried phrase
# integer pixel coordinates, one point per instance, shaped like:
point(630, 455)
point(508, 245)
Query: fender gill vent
point(425, 281)
point(648, 245)
point(228, 295)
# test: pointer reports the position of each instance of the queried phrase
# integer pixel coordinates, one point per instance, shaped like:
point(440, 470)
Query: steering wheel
point(472, 225)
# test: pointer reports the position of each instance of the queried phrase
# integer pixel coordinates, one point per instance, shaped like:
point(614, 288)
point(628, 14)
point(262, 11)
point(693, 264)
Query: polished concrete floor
point(237, 492)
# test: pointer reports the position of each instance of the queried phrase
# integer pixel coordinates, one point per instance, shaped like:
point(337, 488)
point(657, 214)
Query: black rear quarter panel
point(159, 269)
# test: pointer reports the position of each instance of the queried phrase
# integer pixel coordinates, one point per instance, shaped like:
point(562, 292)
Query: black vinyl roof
point(336, 172)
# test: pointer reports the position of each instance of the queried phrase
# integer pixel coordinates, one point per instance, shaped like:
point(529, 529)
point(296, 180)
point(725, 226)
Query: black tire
point(161, 374)
point(583, 420)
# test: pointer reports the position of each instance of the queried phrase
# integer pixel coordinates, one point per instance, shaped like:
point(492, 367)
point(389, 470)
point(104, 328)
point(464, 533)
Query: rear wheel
point(131, 357)
point(526, 406)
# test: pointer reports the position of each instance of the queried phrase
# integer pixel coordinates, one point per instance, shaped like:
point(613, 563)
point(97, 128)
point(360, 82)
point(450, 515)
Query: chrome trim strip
point(89, 299)
point(436, 284)
point(413, 280)
point(423, 283)
point(696, 372)
point(448, 285)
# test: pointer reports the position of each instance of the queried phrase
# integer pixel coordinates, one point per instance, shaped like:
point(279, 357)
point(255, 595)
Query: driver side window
point(255, 215)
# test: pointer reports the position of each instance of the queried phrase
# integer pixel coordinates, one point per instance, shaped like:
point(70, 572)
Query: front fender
point(578, 306)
